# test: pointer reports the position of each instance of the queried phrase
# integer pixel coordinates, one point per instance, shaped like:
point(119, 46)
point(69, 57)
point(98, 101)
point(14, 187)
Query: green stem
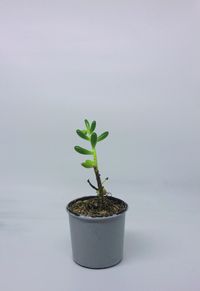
point(95, 158)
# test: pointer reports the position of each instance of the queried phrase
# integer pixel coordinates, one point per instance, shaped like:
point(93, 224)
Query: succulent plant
point(89, 134)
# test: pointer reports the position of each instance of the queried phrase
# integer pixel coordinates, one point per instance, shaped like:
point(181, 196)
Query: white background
point(133, 66)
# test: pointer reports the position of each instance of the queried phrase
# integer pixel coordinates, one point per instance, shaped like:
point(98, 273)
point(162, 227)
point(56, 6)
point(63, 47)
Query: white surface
point(131, 65)
point(134, 67)
point(161, 246)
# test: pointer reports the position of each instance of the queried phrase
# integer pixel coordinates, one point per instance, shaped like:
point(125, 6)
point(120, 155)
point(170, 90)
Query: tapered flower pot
point(97, 242)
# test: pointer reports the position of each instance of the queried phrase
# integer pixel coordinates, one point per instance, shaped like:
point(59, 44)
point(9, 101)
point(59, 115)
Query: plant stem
point(98, 178)
point(100, 187)
point(95, 158)
point(92, 185)
point(99, 183)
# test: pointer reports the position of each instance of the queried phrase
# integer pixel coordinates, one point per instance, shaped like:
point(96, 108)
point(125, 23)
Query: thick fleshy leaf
point(102, 136)
point(84, 131)
point(87, 124)
point(88, 164)
point(82, 134)
point(82, 151)
point(93, 126)
point(93, 139)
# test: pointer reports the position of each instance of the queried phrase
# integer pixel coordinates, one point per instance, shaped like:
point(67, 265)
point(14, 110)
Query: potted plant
point(96, 222)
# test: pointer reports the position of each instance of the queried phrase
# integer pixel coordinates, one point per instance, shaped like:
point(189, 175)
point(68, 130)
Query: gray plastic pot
point(97, 242)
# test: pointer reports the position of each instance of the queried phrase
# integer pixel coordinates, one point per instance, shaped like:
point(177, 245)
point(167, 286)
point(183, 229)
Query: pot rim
point(98, 218)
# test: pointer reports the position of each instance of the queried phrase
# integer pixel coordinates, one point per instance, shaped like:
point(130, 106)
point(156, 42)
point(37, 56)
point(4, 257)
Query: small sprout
point(106, 179)
point(88, 164)
point(102, 136)
point(82, 134)
point(87, 124)
point(83, 151)
point(93, 139)
point(84, 131)
point(93, 126)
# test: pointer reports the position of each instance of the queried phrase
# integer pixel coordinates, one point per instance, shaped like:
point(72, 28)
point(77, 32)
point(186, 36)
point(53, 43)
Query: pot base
point(98, 268)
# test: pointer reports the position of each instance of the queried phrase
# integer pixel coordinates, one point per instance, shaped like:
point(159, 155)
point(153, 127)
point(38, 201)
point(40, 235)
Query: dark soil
point(92, 206)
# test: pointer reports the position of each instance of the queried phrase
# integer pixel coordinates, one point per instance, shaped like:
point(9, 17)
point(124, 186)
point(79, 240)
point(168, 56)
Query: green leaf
point(82, 134)
point(88, 164)
point(102, 136)
point(93, 126)
point(93, 139)
point(82, 151)
point(87, 124)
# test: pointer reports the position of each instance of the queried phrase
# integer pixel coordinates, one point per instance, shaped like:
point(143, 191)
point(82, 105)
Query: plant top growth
point(89, 134)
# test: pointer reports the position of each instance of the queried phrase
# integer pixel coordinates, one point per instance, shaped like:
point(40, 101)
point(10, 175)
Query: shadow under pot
point(97, 242)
